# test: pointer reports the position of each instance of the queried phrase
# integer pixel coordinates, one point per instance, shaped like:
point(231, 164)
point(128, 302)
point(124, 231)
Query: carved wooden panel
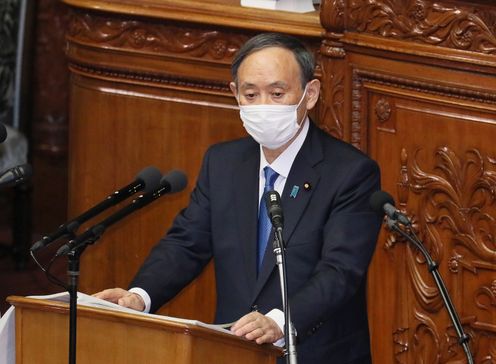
point(331, 70)
point(433, 140)
point(155, 36)
point(448, 24)
point(420, 90)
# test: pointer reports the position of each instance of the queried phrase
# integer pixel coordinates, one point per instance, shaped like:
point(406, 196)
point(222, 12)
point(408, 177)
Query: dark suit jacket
point(330, 233)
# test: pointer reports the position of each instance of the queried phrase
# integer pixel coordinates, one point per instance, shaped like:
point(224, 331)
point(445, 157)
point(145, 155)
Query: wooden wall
point(410, 82)
point(419, 83)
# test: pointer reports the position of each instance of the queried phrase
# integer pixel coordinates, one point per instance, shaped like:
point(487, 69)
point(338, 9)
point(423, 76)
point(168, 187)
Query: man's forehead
point(276, 58)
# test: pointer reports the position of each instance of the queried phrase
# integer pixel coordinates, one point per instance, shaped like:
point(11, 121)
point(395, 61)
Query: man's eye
point(250, 96)
point(277, 94)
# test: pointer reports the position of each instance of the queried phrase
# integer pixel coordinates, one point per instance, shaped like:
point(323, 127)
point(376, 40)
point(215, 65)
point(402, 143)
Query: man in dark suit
point(330, 231)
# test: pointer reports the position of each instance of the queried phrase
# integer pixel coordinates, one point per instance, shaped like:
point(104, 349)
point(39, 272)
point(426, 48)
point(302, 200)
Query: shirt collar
point(282, 164)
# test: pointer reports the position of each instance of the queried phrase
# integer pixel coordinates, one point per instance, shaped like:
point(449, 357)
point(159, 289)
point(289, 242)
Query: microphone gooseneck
point(174, 181)
point(148, 179)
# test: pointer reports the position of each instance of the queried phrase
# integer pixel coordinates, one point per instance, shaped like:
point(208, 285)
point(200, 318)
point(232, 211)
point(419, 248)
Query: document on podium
point(90, 301)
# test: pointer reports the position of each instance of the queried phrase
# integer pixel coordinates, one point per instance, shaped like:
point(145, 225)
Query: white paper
point(90, 301)
point(7, 337)
point(296, 6)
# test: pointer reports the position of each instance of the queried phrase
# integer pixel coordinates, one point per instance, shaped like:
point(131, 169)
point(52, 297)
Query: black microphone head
point(274, 208)
point(175, 179)
point(3, 133)
point(150, 176)
point(378, 199)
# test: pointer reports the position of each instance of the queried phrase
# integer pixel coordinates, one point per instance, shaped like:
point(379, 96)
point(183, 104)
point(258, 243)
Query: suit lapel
point(302, 172)
point(246, 206)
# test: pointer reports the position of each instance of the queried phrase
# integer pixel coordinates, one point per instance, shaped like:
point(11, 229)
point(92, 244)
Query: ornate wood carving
point(438, 23)
point(154, 36)
point(356, 108)
point(383, 110)
point(331, 108)
point(401, 344)
point(332, 69)
point(458, 197)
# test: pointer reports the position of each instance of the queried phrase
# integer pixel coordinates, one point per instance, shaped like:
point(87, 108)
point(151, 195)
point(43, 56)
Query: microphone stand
point(73, 279)
point(78, 244)
point(289, 332)
point(432, 267)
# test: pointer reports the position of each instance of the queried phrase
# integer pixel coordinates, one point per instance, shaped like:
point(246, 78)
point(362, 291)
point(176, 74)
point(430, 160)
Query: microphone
point(274, 209)
point(383, 203)
point(174, 181)
point(3, 133)
point(148, 180)
point(15, 175)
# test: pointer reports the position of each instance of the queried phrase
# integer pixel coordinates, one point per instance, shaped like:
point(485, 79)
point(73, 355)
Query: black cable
point(50, 276)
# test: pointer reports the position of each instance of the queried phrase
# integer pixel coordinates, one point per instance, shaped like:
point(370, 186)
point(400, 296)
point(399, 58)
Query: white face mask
point(272, 126)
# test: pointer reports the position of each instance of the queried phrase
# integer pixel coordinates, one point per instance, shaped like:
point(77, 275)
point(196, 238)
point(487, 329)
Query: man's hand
point(122, 298)
point(255, 326)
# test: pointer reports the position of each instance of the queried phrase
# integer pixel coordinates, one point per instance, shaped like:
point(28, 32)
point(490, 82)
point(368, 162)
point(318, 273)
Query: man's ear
point(233, 88)
point(313, 92)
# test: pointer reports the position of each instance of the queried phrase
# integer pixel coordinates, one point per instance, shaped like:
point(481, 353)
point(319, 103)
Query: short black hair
point(266, 40)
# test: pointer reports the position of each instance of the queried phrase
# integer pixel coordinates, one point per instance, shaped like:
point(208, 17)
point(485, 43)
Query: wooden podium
point(106, 336)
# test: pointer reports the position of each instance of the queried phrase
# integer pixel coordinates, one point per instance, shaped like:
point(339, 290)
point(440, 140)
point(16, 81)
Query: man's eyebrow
point(247, 85)
point(281, 84)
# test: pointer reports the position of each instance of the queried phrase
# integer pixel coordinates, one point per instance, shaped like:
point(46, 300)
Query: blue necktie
point(264, 223)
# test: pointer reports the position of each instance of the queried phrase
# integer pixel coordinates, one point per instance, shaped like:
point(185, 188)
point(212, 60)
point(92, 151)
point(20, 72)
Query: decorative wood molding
point(329, 49)
point(356, 107)
point(440, 23)
point(425, 87)
point(331, 109)
point(152, 78)
point(333, 64)
point(154, 36)
point(360, 76)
